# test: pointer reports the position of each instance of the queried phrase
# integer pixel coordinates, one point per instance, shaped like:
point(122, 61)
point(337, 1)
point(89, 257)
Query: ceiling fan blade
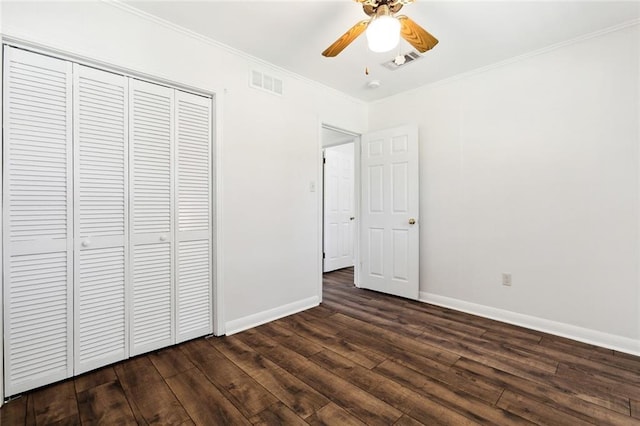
point(346, 39)
point(417, 36)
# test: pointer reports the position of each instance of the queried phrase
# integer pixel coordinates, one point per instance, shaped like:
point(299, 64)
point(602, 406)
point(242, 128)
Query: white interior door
point(101, 218)
point(37, 220)
point(107, 218)
point(389, 212)
point(339, 207)
point(152, 198)
point(193, 228)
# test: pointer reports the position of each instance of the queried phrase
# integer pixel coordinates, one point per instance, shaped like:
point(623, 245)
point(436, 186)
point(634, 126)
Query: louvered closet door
point(37, 216)
point(193, 183)
point(101, 217)
point(151, 186)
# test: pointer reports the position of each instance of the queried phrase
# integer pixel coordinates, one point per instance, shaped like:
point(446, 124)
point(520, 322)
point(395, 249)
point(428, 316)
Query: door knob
point(163, 238)
point(86, 243)
point(412, 221)
point(352, 218)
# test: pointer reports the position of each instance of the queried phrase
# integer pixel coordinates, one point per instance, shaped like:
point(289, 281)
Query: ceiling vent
point(268, 83)
point(397, 62)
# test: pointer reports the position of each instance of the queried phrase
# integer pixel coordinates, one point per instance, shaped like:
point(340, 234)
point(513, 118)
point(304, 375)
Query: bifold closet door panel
point(193, 184)
point(37, 220)
point(151, 134)
point(101, 218)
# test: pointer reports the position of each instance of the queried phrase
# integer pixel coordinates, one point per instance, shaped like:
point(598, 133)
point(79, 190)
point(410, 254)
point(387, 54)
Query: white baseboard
point(593, 337)
point(264, 317)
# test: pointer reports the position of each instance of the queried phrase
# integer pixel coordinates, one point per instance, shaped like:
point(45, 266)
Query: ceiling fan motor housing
point(382, 7)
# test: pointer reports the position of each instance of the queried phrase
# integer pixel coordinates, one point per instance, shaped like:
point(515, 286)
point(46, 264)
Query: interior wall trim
point(581, 334)
point(254, 320)
point(519, 58)
point(212, 42)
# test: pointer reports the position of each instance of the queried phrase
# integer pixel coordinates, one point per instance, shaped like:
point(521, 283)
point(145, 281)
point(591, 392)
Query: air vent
point(269, 83)
point(408, 58)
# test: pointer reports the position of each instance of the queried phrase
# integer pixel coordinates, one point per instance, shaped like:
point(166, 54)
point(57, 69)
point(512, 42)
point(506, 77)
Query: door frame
point(356, 201)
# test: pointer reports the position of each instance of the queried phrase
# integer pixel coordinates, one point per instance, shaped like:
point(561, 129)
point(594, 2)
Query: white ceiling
point(472, 34)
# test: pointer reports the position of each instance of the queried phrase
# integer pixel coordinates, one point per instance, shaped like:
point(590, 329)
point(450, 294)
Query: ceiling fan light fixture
point(383, 32)
point(383, 29)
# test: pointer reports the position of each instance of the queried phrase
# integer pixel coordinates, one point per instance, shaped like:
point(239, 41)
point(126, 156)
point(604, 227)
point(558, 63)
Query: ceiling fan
point(384, 29)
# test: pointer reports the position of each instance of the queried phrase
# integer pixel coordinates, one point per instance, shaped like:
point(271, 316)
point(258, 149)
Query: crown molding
point(211, 42)
point(519, 58)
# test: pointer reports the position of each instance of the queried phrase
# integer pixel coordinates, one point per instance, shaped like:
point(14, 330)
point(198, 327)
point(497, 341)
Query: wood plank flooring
point(360, 358)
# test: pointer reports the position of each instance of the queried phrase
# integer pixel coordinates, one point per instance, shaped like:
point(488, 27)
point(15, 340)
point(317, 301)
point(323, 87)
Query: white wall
point(270, 145)
point(532, 168)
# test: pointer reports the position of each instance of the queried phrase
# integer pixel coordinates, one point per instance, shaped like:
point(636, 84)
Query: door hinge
point(324, 160)
point(324, 255)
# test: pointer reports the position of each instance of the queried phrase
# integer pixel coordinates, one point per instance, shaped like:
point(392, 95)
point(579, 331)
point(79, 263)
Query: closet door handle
point(163, 238)
point(86, 243)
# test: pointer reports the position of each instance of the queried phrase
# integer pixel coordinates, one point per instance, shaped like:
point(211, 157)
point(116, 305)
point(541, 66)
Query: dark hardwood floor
point(360, 358)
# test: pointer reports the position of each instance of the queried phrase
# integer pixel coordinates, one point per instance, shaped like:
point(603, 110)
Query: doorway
point(340, 199)
point(385, 222)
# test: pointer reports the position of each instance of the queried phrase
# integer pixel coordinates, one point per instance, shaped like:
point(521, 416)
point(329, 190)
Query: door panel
point(100, 308)
point(151, 136)
point(152, 322)
point(37, 215)
point(194, 289)
point(339, 207)
point(375, 190)
point(193, 182)
point(390, 243)
point(101, 217)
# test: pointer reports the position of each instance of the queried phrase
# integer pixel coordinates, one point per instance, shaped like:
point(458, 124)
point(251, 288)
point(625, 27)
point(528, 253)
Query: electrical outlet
point(506, 279)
